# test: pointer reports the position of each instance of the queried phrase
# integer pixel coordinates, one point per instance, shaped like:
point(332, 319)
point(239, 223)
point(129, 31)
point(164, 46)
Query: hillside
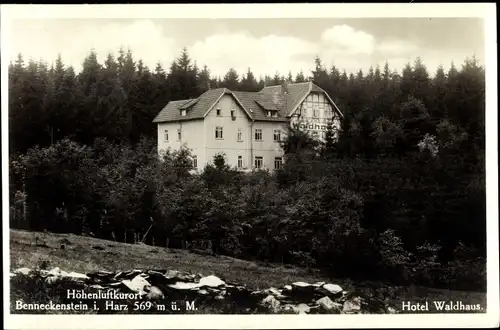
point(87, 254)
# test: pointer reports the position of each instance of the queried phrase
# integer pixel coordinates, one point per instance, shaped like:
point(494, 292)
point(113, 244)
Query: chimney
point(284, 88)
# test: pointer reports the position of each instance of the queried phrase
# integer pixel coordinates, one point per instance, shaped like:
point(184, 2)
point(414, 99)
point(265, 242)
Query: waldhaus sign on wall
point(317, 127)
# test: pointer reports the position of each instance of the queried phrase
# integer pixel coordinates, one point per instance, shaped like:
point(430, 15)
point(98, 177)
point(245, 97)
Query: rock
point(78, 276)
point(118, 275)
point(57, 272)
point(219, 297)
point(287, 288)
point(391, 310)
point(23, 270)
point(203, 292)
point(332, 288)
point(352, 306)
point(184, 286)
point(271, 303)
point(171, 274)
point(318, 284)
point(137, 284)
point(275, 292)
point(155, 293)
point(12, 274)
point(300, 285)
point(51, 279)
point(211, 281)
point(303, 291)
point(328, 305)
point(301, 309)
point(185, 277)
point(131, 274)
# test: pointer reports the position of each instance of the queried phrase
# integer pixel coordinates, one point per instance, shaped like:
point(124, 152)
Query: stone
point(211, 281)
point(171, 274)
point(328, 305)
point(51, 279)
point(78, 276)
point(302, 290)
point(203, 292)
point(300, 285)
point(275, 292)
point(57, 272)
point(352, 306)
point(301, 309)
point(137, 284)
point(23, 270)
point(155, 293)
point(318, 284)
point(287, 288)
point(184, 286)
point(391, 310)
point(219, 297)
point(271, 303)
point(332, 288)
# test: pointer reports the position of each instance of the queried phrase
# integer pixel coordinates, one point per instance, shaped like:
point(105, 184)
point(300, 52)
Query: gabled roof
point(255, 104)
point(171, 112)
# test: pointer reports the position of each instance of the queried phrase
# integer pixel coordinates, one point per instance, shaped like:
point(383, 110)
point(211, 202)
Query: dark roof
point(255, 104)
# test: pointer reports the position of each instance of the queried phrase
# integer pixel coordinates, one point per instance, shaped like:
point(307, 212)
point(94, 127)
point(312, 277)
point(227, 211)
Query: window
point(233, 114)
point(258, 162)
point(183, 113)
point(219, 112)
point(275, 114)
point(258, 134)
point(179, 134)
point(278, 163)
point(315, 134)
point(240, 135)
point(315, 113)
point(195, 162)
point(240, 162)
point(277, 135)
point(165, 135)
point(218, 132)
point(269, 113)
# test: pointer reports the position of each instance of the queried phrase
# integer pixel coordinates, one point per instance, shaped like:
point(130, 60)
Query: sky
point(266, 46)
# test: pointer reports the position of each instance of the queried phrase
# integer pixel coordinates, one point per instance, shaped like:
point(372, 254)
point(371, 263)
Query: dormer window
point(269, 113)
point(183, 113)
point(275, 114)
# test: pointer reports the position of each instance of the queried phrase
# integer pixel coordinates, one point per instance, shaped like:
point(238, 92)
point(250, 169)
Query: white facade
point(313, 115)
point(247, 144)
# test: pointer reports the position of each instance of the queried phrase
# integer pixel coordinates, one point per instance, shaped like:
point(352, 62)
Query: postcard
point(249, 166)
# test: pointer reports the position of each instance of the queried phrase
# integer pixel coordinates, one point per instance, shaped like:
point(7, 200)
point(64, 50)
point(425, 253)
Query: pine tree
point(319, 74)
point(231, 80)
point(249, 83)
point(299, 78)
point(204, 80)
point(182, 78)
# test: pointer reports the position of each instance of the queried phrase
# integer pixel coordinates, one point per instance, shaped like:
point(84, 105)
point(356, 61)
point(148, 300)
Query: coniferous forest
point(399, 196)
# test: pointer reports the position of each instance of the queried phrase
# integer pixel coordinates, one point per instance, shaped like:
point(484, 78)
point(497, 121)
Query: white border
point(487, 11)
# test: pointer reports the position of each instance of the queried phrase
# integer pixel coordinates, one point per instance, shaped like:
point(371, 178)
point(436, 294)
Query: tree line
point(401, 187)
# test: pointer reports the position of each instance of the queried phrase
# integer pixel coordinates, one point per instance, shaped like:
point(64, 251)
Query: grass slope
point(87, 254)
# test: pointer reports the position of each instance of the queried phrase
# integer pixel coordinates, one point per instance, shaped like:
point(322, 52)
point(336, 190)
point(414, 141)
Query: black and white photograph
point(249, 161)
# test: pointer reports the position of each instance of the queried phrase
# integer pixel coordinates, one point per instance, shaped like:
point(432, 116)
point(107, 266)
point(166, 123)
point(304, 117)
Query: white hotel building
point(246, 126)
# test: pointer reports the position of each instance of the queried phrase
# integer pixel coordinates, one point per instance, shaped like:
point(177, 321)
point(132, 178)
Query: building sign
point(312, 124)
